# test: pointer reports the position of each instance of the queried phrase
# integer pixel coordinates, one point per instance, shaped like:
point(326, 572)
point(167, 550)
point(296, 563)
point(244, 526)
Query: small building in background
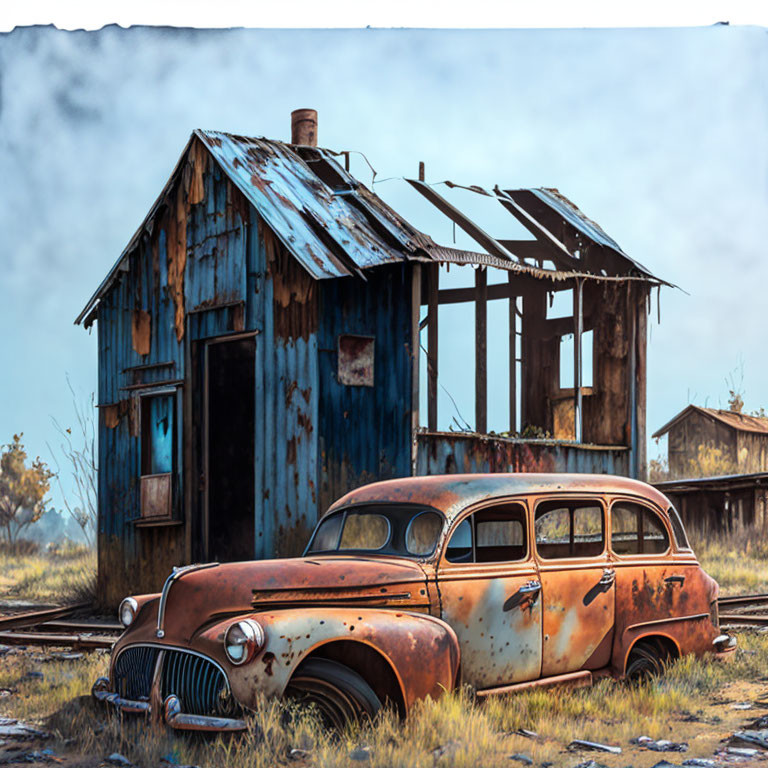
point(715, 442)
point(265, 339)
point(720, 505)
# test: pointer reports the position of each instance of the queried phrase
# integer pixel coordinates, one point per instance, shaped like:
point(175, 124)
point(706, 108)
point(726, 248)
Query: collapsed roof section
point(335, 226)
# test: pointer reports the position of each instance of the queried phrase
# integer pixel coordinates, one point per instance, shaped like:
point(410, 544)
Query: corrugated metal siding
point(365, 431)
point(286, 399)
point(446, 453)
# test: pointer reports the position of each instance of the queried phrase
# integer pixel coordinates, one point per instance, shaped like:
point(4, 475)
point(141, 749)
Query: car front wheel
point(337, 693)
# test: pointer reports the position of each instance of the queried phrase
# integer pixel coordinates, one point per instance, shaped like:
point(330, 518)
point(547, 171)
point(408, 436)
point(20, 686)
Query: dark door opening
point(230, 420)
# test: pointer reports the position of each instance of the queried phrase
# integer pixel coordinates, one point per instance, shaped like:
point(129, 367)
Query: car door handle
point(526, 595)
point(675, 579)
point(608, 577)
point(605, 583)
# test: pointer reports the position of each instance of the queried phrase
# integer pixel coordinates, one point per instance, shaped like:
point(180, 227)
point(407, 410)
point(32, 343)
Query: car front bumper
point(169, 711)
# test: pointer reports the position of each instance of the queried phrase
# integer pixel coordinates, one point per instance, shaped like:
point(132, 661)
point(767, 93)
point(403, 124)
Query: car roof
point(453, 493)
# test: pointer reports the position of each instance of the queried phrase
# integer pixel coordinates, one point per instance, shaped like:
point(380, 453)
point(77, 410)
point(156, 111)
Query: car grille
point(201, 687)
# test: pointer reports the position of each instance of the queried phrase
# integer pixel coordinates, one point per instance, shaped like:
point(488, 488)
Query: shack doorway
point(229, 434)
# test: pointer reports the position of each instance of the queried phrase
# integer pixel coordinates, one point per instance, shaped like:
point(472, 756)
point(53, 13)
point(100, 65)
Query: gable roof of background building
point(738, 421)
point(335, 226)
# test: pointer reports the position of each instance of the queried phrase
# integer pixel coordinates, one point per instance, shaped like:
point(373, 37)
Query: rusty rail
point(33, 618)
point(76, 642)
point(742, 601)
point(733, 619)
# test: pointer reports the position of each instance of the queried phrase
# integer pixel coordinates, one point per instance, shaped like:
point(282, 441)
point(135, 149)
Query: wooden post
point(432, 288)
point(415, 358)
point(481, 350)
point(578, 327)
point(421, 171)
point(512, 356)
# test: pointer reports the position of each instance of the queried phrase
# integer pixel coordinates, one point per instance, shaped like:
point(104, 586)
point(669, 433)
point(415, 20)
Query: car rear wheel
point(647, 659)
point(338, 694)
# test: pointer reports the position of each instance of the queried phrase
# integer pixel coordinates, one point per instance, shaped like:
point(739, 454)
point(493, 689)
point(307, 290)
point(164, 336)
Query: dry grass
point(455, 731)
point(68, 575)
point(738, 561)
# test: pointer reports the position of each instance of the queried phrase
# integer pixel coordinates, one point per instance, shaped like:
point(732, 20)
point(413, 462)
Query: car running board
point(576, 679)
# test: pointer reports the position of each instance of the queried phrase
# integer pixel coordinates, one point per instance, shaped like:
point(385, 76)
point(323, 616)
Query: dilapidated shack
point(259, 352)
point(740, 440)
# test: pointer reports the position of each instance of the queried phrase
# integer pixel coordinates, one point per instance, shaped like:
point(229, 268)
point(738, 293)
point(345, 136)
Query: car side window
point(569, 529)
point(459, 549)
point(493, 535)
point(637, 530)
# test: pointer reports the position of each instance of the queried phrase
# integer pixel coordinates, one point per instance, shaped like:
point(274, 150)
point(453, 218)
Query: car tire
point(647, 659)
point(338, 694)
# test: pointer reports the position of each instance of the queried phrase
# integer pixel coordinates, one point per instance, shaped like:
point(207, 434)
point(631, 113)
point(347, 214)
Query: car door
point(489, 592)
point(653, 582)
point(577, 584)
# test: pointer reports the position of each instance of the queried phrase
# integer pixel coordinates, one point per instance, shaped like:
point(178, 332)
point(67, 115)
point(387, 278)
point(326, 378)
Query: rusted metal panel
point(451, 452)
point(365, 432)
point(356, 360)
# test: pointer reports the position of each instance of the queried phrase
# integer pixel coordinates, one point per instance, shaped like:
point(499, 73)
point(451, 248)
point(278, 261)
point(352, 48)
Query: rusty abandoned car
point(410, 587)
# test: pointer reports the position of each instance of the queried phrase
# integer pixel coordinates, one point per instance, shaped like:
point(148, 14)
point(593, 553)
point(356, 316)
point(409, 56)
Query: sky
point(657, 134)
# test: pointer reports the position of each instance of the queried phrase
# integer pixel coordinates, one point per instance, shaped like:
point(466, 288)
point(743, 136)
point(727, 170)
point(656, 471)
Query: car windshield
point(382, 529)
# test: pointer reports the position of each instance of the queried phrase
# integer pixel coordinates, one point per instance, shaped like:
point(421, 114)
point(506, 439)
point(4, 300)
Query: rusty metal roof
point(335, 226)
point(739, 421)
point(713, 483)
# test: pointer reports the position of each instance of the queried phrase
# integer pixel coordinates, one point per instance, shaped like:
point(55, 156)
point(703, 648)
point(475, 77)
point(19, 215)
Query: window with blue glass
point(157, 434)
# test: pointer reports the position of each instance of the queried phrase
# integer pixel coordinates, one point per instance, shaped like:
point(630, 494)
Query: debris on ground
point(528, 734)
point(117, 759)
point(299, 754)
point(522, 758)
point(659, 745)
point(590, 764)
point(741, 751)
point(362, 754)
point(13, 729)
point(742, 705)
point(700, 762)
point(758, 738)
point(594, 745)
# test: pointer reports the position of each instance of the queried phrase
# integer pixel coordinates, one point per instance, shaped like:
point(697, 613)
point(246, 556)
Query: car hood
point(198, 597)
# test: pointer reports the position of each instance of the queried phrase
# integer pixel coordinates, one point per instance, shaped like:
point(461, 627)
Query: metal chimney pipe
point(304, 127)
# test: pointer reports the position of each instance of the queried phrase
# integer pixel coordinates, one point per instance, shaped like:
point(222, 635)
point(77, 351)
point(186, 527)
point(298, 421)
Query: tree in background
point(22, 490)
point(79, 452)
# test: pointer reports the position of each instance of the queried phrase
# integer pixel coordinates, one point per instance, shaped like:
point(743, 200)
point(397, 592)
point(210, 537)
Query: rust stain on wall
point(141, 325)
point(294, 290)
point(177, 257)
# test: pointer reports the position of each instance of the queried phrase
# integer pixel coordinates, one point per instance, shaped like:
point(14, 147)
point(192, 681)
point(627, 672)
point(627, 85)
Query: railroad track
point(752, 610)
point(53, 627)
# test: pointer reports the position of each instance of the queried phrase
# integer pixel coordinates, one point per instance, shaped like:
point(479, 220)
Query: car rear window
point(678, 530)
point(637, 530)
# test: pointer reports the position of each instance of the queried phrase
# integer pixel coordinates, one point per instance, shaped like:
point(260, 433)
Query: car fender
point(422, 650)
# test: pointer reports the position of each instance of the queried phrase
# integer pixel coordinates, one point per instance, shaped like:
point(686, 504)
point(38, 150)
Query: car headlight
point(242, 640)
point(127, 611)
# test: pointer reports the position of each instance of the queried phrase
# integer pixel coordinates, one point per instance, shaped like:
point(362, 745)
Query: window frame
point(649, 505)
point(521, 501)
point(598, 500)
point(175, 393)
point(678, 547)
